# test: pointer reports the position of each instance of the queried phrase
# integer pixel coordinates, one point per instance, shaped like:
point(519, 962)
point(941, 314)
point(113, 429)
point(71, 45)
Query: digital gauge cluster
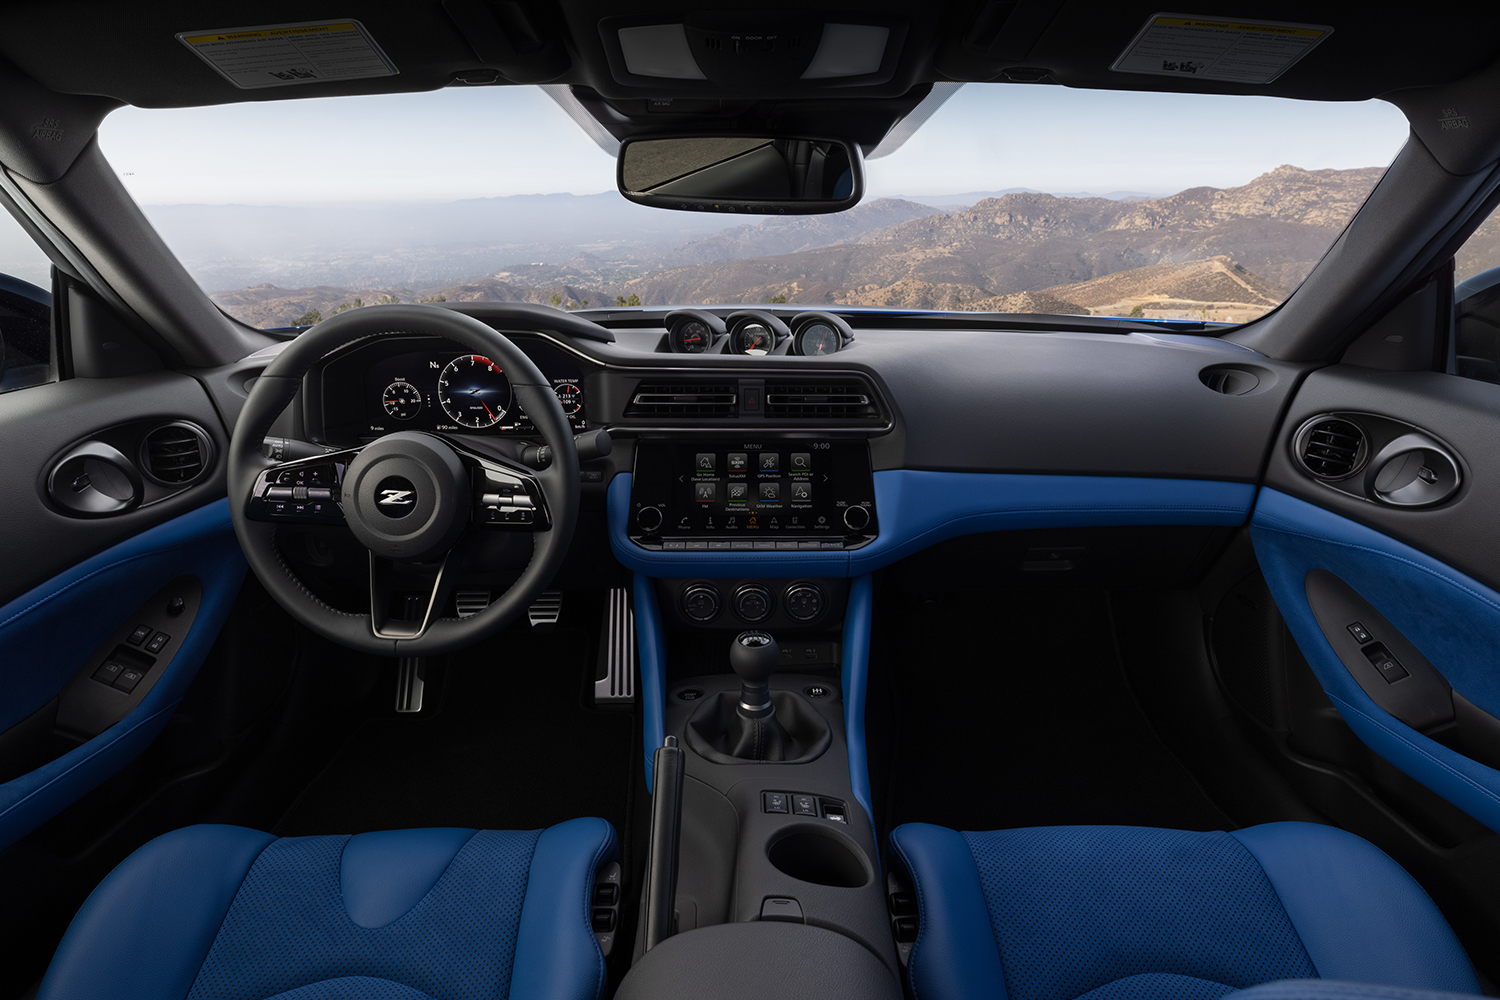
point(445, 391)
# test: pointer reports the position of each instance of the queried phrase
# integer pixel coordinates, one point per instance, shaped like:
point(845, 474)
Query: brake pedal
point(614, 681)
point(546, 611)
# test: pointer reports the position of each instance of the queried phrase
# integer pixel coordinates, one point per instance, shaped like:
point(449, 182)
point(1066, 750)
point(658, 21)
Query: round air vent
point(177, 454)
point(1331, 447)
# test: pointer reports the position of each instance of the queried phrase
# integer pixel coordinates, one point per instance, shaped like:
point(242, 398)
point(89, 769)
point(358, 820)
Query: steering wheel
point(409, 497)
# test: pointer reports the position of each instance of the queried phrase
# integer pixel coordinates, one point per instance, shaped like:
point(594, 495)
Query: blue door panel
point(48, 633)
point(1451, 618)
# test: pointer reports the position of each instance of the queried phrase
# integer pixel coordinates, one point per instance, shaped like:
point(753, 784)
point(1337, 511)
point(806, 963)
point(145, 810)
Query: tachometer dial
point(402, 400)
point(692, 337)
point(753, 338)
point(817, 339)
point(474, 392)
point(571, 398)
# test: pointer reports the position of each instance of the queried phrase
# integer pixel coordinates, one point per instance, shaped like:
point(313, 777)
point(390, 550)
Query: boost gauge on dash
point(402, 400)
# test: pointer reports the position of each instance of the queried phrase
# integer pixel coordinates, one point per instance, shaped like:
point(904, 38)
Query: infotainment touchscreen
point(799, 492)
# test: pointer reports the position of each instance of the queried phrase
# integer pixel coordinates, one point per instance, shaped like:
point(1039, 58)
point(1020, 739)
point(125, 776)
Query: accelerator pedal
point(614, 681)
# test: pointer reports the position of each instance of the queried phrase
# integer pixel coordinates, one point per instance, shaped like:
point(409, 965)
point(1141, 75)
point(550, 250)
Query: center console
point(752, 493)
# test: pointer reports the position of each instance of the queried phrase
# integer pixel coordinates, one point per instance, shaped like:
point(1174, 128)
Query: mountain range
point(1204, 252)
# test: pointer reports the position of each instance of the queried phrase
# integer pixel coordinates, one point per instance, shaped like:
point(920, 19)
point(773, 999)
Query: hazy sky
point(488, 141)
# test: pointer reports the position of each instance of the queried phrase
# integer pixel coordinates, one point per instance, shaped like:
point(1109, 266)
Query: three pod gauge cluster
point(756, 332)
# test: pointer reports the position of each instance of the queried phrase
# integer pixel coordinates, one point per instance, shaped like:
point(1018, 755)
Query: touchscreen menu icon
point(770, 461)
point(739, 461)
point(801, 461)
point(704, 461)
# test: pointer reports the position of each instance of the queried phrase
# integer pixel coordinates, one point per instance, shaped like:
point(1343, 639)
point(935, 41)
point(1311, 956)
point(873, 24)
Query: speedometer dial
point(402, 400)
point(474, 392)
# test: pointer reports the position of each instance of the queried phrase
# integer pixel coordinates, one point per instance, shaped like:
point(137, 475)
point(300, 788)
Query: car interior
point(733, 642)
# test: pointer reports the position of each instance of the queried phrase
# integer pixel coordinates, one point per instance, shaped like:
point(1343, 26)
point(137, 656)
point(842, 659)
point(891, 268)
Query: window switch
point(128, 679)
point(775, 802)
point(158, 642)
point(1360, 633)
point(804, 805)
point(109, 672)
point(139, 635)
point(1388, 666)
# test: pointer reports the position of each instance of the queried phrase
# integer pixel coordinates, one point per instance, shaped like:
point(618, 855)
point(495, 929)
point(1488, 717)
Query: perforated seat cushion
point(1120, 913)
point(224, 913)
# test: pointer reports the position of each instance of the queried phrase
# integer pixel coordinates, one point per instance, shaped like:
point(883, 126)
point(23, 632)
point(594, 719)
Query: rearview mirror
point(745, 174)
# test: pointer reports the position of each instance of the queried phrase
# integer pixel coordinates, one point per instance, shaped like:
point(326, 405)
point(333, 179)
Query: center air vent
point(1331, 447)
point(683, 399)
point(176, 454)
point(847, 398)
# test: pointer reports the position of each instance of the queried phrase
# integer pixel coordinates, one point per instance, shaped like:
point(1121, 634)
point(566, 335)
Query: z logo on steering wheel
point(394, 497)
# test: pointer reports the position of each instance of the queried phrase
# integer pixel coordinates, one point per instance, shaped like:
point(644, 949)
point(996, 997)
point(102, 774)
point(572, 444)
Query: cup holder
point(819, 856)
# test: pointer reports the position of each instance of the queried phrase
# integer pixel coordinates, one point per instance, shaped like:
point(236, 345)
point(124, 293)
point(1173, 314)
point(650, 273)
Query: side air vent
point(683, 399)
point(1331, 447)
point(847, 398)
point(176, 454)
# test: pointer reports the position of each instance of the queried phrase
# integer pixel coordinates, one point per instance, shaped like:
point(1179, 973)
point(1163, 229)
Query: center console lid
point(752, 961)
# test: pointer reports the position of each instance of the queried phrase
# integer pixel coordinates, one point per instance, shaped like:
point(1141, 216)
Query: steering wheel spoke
point(507, 497)
point(406, 597)
point(307, 491)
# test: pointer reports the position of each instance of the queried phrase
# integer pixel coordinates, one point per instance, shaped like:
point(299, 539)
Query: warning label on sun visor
point(1218, 49)
point(280, 55)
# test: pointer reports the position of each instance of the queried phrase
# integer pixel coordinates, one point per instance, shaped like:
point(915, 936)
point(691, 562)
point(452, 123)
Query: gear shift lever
point(786, 729)
point(755, 657)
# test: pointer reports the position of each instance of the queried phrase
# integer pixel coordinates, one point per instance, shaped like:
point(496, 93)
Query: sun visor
point(765, 54)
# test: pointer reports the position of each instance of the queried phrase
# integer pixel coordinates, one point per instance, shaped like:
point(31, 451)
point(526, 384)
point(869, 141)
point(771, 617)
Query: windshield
point(1011, 198)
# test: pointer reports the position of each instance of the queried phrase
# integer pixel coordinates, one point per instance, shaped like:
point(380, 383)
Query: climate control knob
point(700, 602)
point(803, 602)
point(752, 603)
point(856, 518)
point(648, 519)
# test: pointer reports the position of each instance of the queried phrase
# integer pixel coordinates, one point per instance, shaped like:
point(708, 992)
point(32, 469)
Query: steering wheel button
point(279, 493)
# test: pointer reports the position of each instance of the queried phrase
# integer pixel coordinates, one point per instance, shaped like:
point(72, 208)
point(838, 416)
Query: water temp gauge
point(571, 398)
point(402, 400)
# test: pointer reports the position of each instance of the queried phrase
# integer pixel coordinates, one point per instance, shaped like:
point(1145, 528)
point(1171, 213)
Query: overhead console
point(752, 494)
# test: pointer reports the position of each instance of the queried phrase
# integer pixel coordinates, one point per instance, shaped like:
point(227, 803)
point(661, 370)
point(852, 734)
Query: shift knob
point(755, 657)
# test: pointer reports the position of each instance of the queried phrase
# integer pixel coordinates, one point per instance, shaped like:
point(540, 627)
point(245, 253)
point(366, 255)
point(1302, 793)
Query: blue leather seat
point(225, 913)
point(1129, 913)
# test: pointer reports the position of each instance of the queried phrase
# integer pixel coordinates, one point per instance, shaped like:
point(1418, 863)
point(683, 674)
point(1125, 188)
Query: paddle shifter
point(755, 657)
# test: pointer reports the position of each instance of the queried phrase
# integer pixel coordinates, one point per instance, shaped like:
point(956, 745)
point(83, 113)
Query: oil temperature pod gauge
point(402, 400)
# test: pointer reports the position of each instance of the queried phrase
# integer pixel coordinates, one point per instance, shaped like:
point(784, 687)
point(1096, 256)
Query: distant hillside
point(1204, 252)
point(803, 232)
